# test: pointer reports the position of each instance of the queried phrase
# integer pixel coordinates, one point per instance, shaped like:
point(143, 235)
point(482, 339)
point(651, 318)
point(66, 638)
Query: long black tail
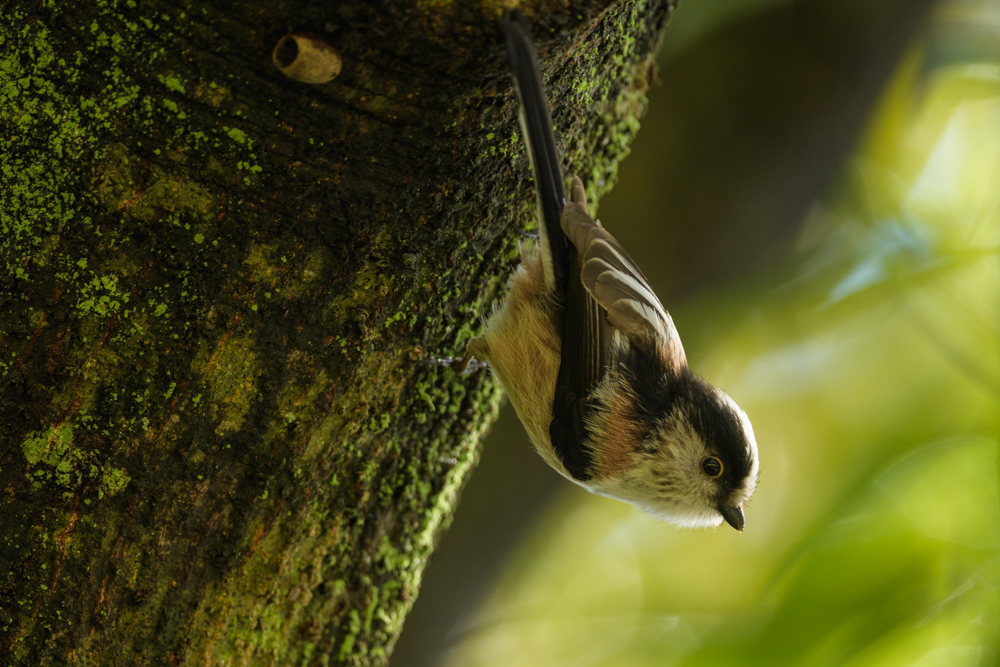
point(536, 124)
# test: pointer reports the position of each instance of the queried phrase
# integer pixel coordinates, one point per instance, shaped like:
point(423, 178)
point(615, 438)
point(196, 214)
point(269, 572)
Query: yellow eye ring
point(711, 466)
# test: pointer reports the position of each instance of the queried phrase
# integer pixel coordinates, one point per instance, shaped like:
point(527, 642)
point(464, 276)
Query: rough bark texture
point(215, 446)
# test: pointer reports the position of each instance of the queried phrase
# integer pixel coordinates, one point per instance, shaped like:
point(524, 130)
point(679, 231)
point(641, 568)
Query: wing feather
point(610, 275)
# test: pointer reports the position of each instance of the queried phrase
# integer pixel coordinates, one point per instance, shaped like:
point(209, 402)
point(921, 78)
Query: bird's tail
point(536, 124)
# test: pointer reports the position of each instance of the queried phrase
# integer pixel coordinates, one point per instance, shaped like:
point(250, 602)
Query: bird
point(591, 360)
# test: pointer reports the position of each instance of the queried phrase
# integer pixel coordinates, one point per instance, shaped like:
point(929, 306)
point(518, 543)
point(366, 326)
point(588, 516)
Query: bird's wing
point(611, 277)
point(586, 340)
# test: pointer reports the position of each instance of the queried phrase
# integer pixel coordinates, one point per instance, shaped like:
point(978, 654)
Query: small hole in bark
point(307, 58)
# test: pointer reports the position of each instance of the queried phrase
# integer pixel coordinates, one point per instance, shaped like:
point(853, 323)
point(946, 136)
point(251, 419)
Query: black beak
point(733, 516)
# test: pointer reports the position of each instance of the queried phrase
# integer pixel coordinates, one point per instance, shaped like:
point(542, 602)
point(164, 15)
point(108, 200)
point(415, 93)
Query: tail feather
point(536, 124)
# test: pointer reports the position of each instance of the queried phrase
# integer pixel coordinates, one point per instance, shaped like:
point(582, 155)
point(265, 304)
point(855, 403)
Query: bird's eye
point(711, 466)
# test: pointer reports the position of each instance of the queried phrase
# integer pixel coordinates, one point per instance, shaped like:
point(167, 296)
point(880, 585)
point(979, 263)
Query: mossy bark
point(216, 448)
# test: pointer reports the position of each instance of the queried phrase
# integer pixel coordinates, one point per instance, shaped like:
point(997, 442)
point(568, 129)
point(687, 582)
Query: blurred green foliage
point(871, 370)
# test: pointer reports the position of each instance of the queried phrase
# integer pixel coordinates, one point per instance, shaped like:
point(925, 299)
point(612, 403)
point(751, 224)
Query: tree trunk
point(216, 446)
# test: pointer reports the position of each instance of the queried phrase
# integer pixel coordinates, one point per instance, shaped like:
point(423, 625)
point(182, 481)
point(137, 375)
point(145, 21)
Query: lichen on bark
point(217, 447)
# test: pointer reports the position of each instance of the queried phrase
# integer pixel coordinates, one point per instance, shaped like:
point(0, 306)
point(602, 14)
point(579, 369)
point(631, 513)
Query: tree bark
point(217, 448)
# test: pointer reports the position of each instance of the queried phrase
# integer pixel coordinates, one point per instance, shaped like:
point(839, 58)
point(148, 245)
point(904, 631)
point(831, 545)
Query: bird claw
point(461, 365)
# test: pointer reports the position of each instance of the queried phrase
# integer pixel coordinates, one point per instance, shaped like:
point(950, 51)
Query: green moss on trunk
point(213, 283)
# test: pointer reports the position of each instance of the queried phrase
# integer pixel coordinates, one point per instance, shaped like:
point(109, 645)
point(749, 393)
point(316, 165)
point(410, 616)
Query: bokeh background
point(815, 194)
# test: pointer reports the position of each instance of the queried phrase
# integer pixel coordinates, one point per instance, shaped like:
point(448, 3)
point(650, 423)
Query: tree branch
point(215, 279)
